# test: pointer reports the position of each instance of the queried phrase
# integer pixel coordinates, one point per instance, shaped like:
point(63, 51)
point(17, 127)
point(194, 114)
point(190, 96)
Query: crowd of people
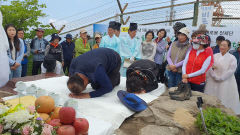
point(188, 59)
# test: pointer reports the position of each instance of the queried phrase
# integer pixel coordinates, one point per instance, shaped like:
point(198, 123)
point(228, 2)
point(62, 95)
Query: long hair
point(135, 83)
point(16, 40)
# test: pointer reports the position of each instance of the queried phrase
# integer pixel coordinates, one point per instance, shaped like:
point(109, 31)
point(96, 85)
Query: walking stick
point(199, 104)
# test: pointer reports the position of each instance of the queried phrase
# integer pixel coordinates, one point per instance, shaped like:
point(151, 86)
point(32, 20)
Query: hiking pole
point(199, 104)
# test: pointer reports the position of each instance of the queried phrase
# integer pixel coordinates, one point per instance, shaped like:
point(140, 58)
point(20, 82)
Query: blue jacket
point(26, 52)
point(38, 44)
point(68, 50)
point(19, 54)
point(97, 65)
point(237, 55)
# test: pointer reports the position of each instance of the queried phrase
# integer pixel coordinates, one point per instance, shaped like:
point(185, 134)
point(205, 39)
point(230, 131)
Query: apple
point(81, 126)
point(67, 115)
point(66, 130)
point(55, 123)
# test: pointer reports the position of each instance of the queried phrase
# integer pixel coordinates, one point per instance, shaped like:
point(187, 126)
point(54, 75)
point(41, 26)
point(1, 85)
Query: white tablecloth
point(106, 113)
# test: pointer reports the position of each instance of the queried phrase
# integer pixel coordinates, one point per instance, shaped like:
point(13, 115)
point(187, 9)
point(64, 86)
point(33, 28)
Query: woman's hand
point(168, 39)
point(184, 80)
point(185, 76)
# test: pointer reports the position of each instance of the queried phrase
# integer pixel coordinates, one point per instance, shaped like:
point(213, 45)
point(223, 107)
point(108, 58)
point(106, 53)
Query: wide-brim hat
point(55, 36)
point(39, 29)
point(69, 36)
point(132, 101)
point(97, 35)
point(83, 31)
point(185, 31)
point(202, 39)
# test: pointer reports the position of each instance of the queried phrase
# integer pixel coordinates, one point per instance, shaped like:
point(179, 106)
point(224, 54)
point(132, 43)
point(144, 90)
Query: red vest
point(195, 63)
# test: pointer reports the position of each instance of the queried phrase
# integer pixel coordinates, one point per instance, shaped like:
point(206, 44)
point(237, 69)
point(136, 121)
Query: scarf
point(182, 44)
point(158, 40)
point(54, 44)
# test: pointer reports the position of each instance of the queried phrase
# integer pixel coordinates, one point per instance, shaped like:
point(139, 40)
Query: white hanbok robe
point(112, 43)
point(221, 81)
point(4, 62)
point(130, 47)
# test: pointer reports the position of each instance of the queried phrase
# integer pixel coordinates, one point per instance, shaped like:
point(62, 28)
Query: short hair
point(135, 83)
point(165, 32)
point(220, 38)
point(148, 33)
point(49, 63)
point(77, 84)
point(228, 42)
point(20, 29)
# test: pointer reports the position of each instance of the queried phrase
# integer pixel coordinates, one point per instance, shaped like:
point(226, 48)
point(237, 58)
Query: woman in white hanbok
point(221, 81)
point(4, 45)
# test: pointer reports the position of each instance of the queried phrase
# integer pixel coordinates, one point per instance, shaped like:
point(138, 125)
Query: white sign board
point(205, 15)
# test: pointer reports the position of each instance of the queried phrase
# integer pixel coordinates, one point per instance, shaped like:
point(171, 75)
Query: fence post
point(195, 14)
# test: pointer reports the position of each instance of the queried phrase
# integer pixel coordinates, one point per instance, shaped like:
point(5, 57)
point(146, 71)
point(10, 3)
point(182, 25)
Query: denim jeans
point(174, 78)
point(16, 73)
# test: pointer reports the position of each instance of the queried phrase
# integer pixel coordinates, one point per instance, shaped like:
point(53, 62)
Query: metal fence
point(165, 14)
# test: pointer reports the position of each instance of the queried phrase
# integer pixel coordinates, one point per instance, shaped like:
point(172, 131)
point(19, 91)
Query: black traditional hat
point(118, 26)
point(133, 26)
point(112, 24)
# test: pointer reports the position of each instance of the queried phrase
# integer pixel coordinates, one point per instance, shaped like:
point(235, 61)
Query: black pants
point(36, 67)
point(114, 76)
point(196, 87)
point(161, 71)
point(66, 66)
point(237, 76)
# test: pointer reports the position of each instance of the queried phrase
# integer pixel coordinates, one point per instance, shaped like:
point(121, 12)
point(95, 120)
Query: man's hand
point(80, 96)
point(62, 63)
point(185, 76)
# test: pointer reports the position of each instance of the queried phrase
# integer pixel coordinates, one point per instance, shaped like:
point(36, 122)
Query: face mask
point(195, 46)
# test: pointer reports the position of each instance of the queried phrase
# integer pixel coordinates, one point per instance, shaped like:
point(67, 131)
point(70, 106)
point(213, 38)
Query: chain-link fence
point(226, 13)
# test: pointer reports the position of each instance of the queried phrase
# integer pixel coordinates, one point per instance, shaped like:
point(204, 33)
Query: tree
point(25, 14)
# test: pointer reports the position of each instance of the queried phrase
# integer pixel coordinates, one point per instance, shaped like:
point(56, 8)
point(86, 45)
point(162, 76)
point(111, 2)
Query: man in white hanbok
point(4, 45)
point(130, 48)
point(220, 78)
point(110, 40)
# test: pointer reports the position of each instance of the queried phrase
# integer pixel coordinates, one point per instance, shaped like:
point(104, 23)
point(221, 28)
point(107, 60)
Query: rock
point(169, 117)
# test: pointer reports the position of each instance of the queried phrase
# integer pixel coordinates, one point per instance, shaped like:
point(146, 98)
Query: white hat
point(185, 31)
point(97, 35)
point(83, 31)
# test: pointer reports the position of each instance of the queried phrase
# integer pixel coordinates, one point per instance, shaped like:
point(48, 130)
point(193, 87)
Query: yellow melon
point(44, 104)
